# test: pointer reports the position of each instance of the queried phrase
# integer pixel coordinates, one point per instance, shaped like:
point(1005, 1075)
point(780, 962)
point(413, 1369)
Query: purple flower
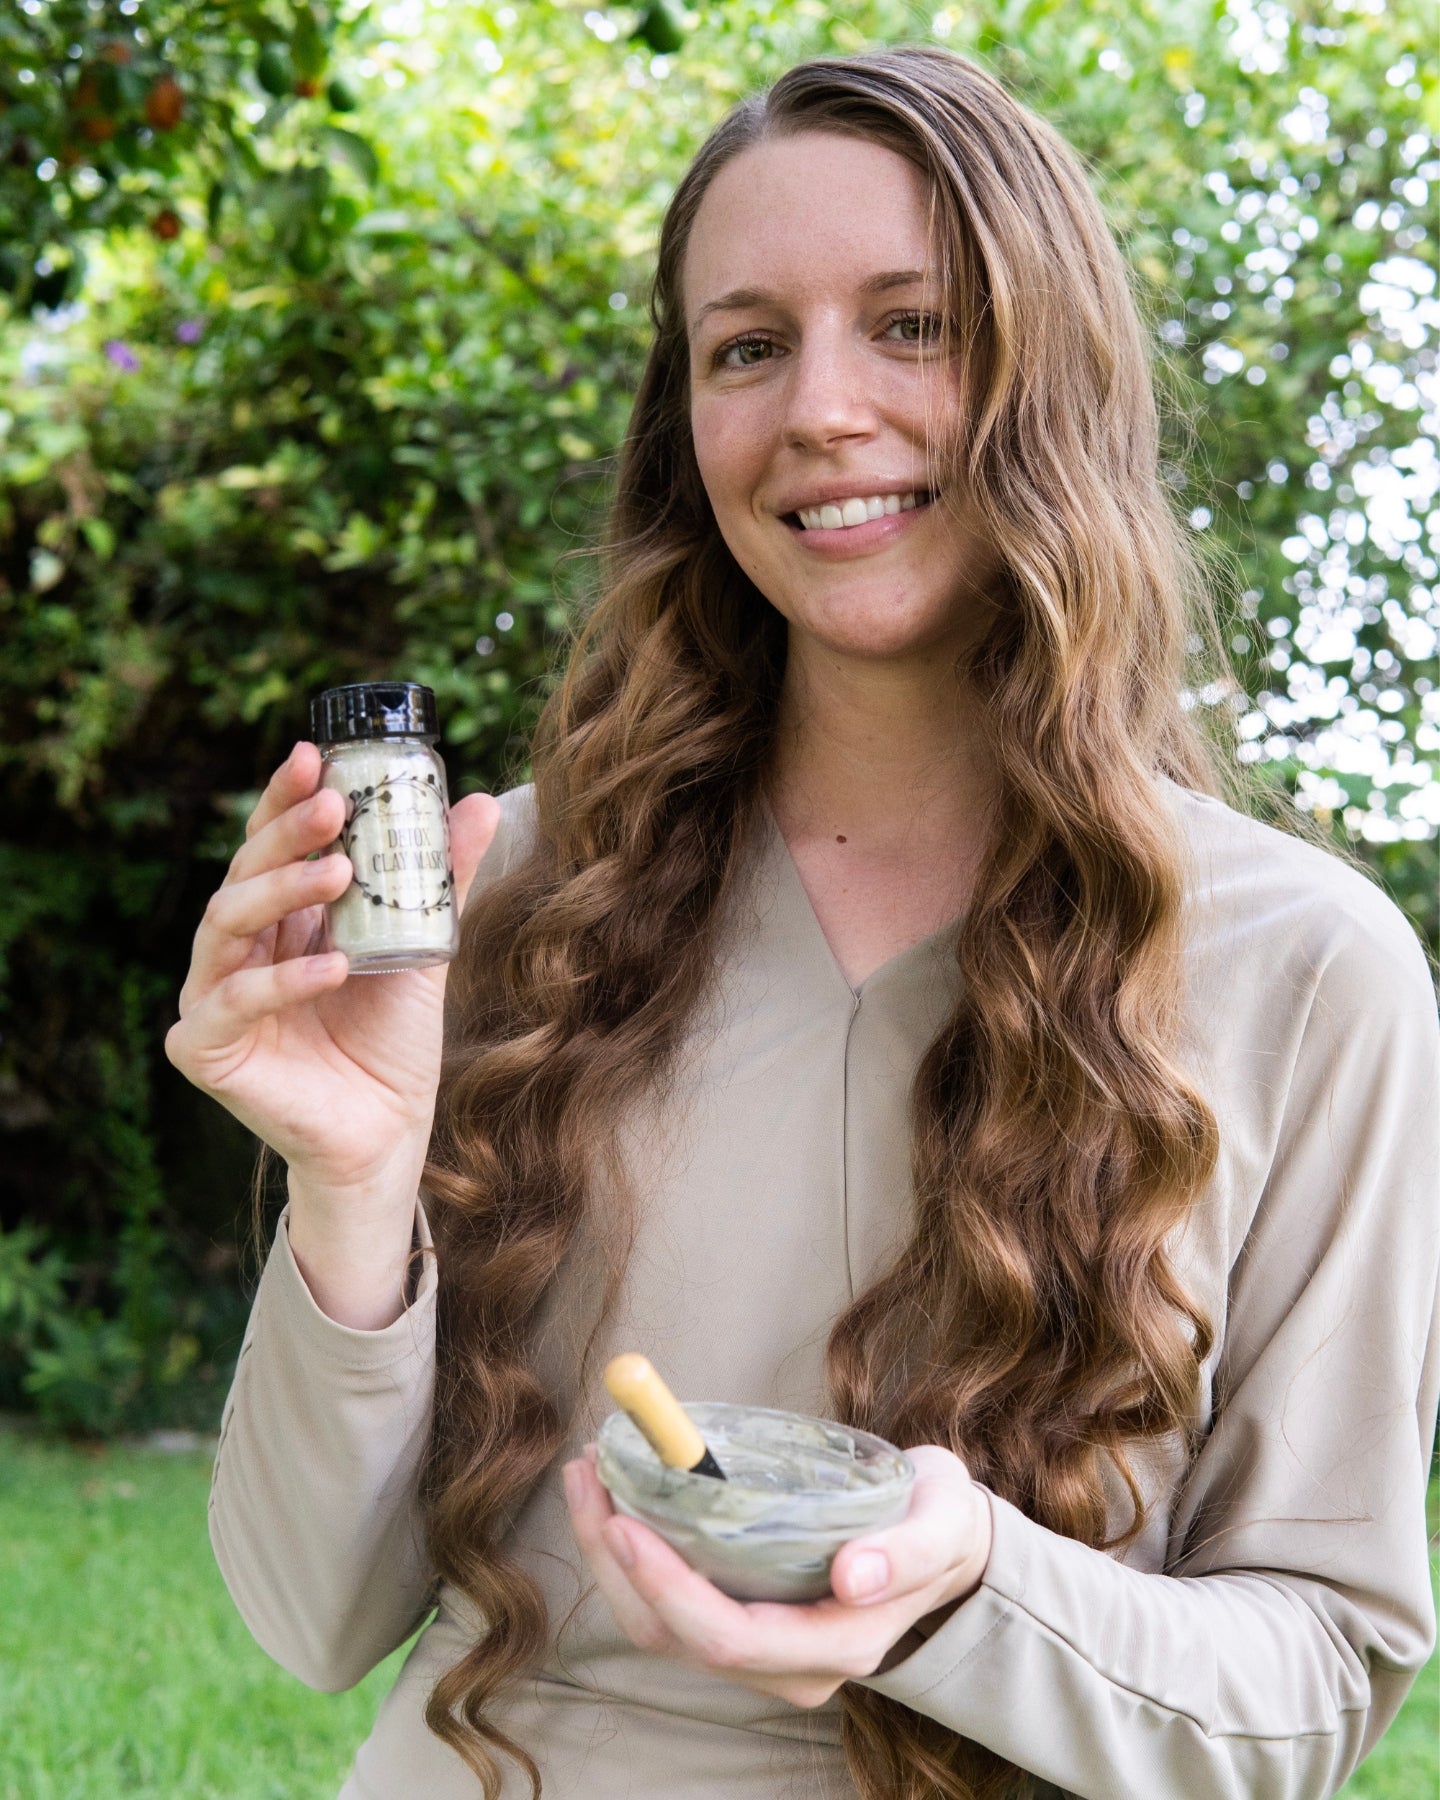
point(122, 355)
point(189, 331)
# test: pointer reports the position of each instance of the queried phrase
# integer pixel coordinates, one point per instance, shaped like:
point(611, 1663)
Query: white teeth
point(838, 516)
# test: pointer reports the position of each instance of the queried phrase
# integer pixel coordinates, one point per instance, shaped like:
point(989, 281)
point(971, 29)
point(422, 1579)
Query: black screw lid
point(374, 709)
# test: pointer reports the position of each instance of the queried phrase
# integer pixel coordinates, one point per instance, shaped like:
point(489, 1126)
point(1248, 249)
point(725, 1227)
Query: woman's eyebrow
point(742, 297)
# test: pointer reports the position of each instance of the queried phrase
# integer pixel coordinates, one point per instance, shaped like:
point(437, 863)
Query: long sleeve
point(1294, 1607)
point(313, 1516)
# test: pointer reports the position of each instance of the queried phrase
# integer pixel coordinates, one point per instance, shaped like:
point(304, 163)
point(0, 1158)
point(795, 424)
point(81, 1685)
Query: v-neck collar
point(797, 904)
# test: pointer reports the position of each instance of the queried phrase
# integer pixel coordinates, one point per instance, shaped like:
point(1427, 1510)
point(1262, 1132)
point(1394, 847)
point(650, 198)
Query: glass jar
point(375, 741)
point(796, 1488)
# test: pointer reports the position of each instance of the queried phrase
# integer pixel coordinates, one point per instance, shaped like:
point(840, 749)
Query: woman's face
point(809, 307)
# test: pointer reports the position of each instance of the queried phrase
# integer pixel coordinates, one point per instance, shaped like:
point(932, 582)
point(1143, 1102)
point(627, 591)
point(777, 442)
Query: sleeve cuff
point(973, 1622)
point(411, 1335)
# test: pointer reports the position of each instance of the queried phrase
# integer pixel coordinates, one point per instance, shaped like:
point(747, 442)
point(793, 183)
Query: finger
point(213, 1038)
point(238, 912)
point(590, 1511)
point(295, 780)
point(937, 1542)
point(800, 1651)
point(300, 933)
point(473, 823)
point(709, 1625)
point(309, 825)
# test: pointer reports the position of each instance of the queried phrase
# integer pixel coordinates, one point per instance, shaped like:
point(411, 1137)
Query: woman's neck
point(890, 757)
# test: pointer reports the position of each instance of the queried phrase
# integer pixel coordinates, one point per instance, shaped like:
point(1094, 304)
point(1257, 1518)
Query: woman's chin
point(890, 638)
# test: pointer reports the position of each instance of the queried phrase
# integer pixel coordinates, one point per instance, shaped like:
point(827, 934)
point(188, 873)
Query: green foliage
point(81, 1372)
point(659, 29)
point(88, 1376)
point(114, 116)
point(131, 1330)
point(32, 1293)
point(347, 422)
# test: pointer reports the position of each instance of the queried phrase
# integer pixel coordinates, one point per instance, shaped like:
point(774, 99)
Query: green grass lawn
point(125, 1668)
point(126, 1671)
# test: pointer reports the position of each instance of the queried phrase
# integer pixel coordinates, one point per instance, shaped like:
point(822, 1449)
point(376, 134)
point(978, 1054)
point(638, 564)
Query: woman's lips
point(855, 540)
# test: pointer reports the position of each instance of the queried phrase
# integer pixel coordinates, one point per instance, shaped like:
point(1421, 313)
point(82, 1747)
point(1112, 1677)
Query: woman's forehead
point(814, 212)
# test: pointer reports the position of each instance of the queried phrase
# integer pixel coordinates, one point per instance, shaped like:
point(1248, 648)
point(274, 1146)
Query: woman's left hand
point(882, 1584)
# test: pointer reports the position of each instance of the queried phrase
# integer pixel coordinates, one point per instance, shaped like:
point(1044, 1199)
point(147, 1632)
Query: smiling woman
point(870, 1011)
point(818, 416)
point(823, 395)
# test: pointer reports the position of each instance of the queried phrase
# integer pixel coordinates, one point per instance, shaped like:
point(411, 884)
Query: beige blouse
point(1256, 1641)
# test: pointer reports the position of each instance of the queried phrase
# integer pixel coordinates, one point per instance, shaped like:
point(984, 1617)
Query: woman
point(868, 1011)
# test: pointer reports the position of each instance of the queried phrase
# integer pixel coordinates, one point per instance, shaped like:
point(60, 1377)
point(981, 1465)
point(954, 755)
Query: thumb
point(945, 1536)
point(473, 823)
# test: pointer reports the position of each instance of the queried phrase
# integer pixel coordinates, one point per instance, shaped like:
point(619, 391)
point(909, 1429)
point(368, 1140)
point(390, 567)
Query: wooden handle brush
point(658, 1415)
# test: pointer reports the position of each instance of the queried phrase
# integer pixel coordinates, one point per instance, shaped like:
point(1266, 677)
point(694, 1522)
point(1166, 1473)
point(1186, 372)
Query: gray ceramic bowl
point(797, 1488)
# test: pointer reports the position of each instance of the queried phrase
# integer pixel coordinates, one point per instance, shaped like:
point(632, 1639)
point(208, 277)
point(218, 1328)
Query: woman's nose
point(827, 395)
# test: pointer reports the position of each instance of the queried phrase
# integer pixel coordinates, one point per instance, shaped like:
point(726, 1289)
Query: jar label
point(397, 837)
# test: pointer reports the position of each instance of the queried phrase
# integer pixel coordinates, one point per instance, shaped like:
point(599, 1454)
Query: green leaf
point(388, 223)
point(310, 251)
point(273, 70)
point(660, 29)
point(100, 535)
point(353, 149)
point(307, 44)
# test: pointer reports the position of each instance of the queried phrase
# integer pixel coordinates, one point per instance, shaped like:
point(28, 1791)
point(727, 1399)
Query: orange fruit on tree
point(165, 104)
point(95, 125)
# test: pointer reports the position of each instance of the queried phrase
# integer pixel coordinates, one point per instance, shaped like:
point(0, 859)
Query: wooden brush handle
point(658, 1415)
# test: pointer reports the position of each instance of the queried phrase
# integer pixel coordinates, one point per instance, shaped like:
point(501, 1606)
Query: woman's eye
point(748, 343)
point(919, 328)
point(927, 327)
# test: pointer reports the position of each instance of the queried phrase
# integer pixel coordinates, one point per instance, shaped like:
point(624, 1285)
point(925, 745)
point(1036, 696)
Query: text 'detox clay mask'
point(375, 743)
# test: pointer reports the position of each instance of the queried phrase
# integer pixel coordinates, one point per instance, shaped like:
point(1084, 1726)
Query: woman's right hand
point(337, 1075)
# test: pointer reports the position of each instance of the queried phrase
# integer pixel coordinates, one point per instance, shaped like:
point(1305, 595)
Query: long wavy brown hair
point(1033, 1323)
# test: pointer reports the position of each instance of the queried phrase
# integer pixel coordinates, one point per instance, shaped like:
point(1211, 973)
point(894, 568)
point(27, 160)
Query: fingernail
point(295, 752)
point(867, 1575)
point(570, 1476)
point(619, 1542)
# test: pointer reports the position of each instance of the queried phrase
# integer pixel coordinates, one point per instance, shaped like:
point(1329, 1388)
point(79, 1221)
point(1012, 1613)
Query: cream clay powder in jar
point(375, 741)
